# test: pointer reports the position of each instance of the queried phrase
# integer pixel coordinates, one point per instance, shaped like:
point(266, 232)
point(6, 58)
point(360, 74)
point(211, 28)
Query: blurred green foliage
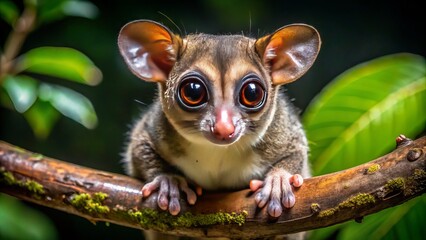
point(26, 94)
point(41, 103)
point(18, 221)
point(350, 122)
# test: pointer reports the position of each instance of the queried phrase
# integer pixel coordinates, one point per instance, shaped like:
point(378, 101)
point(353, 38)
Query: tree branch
point(321, 201)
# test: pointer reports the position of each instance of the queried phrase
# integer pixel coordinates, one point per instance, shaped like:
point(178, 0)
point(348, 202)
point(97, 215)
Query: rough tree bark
point(322, 201)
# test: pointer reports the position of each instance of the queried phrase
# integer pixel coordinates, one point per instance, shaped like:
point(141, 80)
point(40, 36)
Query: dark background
point(352, 32)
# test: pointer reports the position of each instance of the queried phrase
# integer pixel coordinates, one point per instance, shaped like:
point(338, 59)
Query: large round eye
point(192, 92)
point(252, 95)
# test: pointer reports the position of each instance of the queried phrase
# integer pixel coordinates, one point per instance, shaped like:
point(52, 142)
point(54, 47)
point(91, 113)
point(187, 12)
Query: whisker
point(140, 102)
point(168, 18)
point(250, 23)
point(190, 126)
point(184, 29)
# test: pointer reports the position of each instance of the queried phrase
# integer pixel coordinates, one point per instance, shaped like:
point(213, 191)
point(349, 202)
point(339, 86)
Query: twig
point(23, 26)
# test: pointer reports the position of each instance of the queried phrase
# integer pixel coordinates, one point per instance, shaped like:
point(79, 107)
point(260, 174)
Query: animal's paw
point(169, 187)
point(276, 191)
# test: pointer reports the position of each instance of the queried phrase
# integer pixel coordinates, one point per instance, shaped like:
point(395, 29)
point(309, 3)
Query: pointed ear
point(289, 52)
point(149, 49)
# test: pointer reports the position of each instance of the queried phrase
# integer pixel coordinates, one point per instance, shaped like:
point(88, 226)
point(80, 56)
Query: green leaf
point(41, 117)
point(324, 233)
point(8, 11)
point(18, 221)
point(51, 10)
point(22, 91)
point(70, 103)
point(359, 114)
point(356, 118)
point(403, 222)
point(60, 62)
point(80, 9)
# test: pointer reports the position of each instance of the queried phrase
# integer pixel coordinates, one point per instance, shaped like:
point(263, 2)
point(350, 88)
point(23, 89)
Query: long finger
point(148, 188)
point(262, 197)
point(174, 194)
point(163, 194)
point(190, 194)
point(255, 185)
point(274, 207)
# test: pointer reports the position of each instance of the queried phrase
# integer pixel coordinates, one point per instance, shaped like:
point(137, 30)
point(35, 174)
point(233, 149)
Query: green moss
point(358, 200)
point(315, 207)
point(415, 183)
point(32, 186)
point(37, 156)
point(149, 218)
point(8, 178)
point(373, 168)
point(99, 196)
point(419, 174)
point(353, 202)
point(79, 200)
point(91, 204)
point(328, 212)
point(19, 150)
point(396, 184)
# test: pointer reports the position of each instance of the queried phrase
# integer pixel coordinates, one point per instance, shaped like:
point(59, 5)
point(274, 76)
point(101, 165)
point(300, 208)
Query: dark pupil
point(252, 93)
point(193, 92)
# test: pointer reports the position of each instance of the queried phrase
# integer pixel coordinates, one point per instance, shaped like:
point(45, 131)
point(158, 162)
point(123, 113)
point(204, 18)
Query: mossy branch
point(322, 201)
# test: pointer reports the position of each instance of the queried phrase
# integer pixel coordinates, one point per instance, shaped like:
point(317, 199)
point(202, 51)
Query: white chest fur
point(219, 167)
